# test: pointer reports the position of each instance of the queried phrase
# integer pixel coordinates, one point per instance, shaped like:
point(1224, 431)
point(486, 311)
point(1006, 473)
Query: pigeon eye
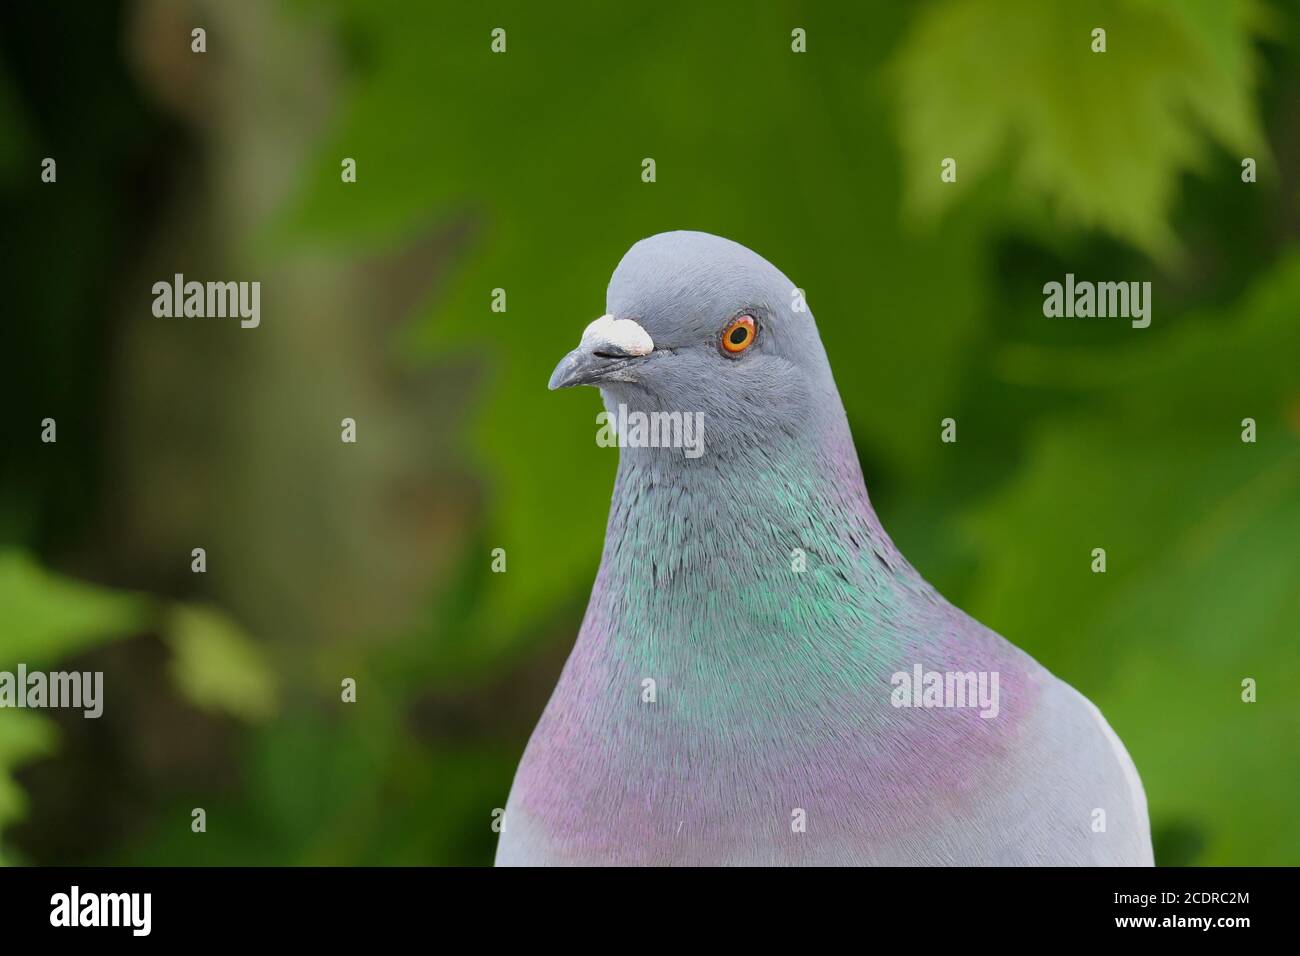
point(739, 334)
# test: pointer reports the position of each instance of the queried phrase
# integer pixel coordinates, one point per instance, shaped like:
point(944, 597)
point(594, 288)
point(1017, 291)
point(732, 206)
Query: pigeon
point(761, 678)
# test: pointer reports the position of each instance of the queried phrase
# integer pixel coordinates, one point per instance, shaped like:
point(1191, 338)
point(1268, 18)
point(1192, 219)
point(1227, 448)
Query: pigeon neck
point(760, 513)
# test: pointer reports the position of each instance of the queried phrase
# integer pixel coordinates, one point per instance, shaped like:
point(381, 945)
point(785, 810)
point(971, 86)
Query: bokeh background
point(522, 171)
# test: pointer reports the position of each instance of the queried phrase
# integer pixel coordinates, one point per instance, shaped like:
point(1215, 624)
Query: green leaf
point(1092, 140)
point(44, 617)
point(24, 736)
point(1202, 586)
point(217, 666)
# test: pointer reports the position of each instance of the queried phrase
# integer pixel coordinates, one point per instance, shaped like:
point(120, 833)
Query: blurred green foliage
point(525, 166)
point(1202, 586)
point(216, 665)
point(46, 618)
point(1080, 139)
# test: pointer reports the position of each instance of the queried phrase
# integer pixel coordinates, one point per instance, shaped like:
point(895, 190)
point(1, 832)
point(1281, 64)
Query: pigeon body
point(725, 704)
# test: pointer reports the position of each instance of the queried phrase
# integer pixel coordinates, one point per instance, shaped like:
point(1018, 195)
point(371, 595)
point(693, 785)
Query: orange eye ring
point(739, 334)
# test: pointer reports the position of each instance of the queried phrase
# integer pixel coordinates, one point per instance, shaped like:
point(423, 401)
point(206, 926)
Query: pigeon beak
point(609, 346)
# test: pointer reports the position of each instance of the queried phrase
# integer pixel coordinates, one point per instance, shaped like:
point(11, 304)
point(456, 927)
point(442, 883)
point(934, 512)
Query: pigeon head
point(699, 324)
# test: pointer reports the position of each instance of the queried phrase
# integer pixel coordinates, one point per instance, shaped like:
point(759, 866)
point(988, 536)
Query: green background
point(522, 171)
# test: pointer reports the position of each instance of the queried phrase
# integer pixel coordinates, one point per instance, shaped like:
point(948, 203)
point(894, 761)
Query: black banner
point(364, 905)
